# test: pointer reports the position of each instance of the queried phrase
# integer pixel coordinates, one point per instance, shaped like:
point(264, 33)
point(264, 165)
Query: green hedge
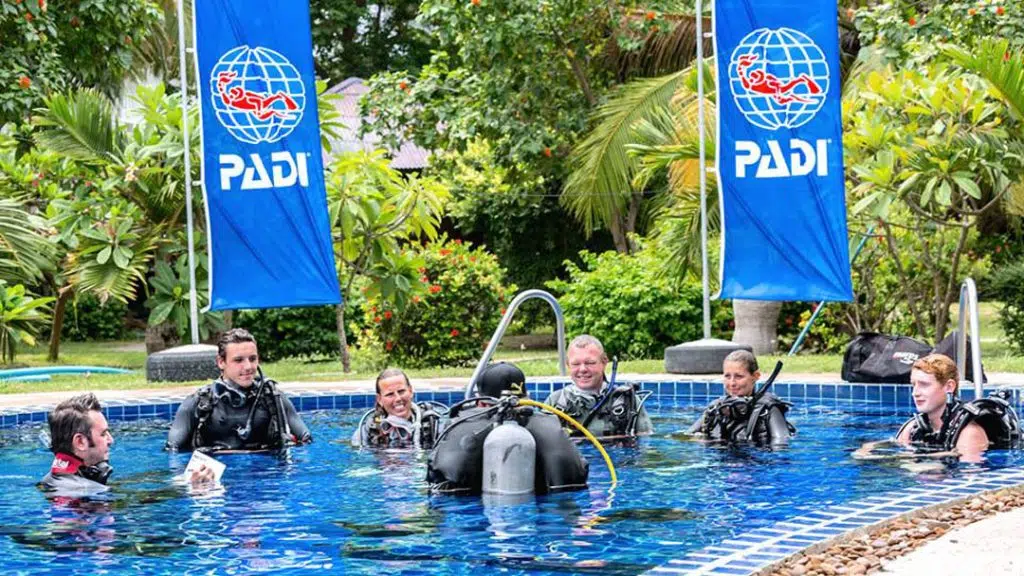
point(86, 319)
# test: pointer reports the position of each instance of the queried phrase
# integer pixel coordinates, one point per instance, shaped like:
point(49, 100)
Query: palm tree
point(993, 60)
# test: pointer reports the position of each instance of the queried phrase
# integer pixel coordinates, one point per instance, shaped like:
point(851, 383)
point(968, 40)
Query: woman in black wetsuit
point(241, 410)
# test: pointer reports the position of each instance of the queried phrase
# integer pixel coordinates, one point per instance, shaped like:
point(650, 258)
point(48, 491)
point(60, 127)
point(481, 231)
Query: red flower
point(971, 11)
point(912, 21)
point(650, 15)
point(42, 5)
point(421, 270)
point(387, 314)
point(24, 82)
point(28, 16)
point(434, 289)
point(472, 258)
point(458, 241)
point(403, 85)
point(547, 152)
point(502, 311)
point(1000, 11)
point(376, 319)
point(415, 299)
point(389, 345)
point(424, 279)
point(444, 251)
point(454, 332)
point(999, 249)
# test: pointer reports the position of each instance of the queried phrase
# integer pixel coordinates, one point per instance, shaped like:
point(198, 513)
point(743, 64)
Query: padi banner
point(263, 178)
point(779, 153)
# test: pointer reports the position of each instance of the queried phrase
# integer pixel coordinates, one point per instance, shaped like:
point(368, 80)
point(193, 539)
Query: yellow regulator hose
point(578, 426)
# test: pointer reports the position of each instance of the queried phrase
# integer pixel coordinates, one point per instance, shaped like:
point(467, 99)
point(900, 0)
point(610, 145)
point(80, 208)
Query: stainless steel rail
point(507, 319)
point(969, 307)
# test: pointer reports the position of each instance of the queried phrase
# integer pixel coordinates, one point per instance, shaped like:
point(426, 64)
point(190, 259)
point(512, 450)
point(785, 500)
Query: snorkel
point(767, 384)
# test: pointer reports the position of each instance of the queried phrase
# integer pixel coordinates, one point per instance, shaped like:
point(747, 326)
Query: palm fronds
point(81, 125)
point(993, 60)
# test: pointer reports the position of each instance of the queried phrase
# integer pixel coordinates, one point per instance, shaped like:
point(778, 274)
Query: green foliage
point(910, 31)
point(21, 317)
point(88, 320)
point(308, 332)
point(353, 38)
point(1007, 285)
point(169, 299)
point(634, 310)
point(55, 45)
point(450, 324)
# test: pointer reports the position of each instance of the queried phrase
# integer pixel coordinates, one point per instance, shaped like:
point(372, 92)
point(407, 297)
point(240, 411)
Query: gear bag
point(948, 347)
point(881, 358)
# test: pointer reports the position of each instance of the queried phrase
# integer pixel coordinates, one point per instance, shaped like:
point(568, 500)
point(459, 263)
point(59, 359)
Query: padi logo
point(286, 170)
point(799, 158)
point(778, 78)
point(257, 94)
point(907, 358)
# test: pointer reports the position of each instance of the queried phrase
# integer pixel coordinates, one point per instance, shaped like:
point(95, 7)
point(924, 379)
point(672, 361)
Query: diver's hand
point(201, 476)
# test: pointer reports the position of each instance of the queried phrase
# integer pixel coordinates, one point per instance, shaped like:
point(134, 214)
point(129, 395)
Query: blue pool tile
point(115, 412)
point(324, 402)
point(23, 418)
point(715, 389)
point(844, 392)
point(700, 389)
point(147, 410)
point(797, 390)
point(813, 392)
point(744, 563)
point(802, 539)
point(686, 564)
point(874, 392)
point(342, 401)
point(858, 392)
point(727, 570)
point(888, 394)
point(764, 557)
point(828, 391)
point(848, 524)
point(38, 416)
point(781, 390)
point(131, 412)
point(684, 389)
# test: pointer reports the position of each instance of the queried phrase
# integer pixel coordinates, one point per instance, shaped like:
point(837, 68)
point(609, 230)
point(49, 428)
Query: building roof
point(409, 155)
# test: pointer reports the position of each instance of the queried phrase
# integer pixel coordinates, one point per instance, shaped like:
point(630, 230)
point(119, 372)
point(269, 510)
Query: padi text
point(803, 158)
point(286, 170)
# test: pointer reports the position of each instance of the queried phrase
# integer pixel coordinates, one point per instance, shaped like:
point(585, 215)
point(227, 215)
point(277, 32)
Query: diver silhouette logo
point(778, 78)
point(257, 94)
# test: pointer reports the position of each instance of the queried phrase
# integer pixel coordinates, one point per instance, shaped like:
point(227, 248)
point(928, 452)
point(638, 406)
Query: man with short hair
point(80, 441)
point(611, 411)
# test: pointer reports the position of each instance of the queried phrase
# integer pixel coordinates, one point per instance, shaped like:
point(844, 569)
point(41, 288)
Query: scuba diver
point(743, 415)
point(397, 420)
point(489, 431)
point(945, 422)
point(80, 440)
point(241, 410)
point(604, 408)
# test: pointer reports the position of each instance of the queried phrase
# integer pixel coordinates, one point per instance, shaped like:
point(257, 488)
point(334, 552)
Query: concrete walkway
point(987, 547)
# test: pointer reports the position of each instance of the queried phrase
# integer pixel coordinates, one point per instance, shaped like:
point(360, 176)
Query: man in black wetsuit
point(80, 441)
point(241, 410)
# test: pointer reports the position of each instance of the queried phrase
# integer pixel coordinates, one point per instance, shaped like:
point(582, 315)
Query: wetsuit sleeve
point(778, 429)
point(295, 423)
point(698, 425)
point(179, 437)
point(360, 436)
point(553, 398)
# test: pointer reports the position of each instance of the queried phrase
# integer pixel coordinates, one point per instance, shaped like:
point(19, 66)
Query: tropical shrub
point(1007, 285)
point(88, 319)
point(635, 311)
point(21, 317)
point(307, 332)
point(453, 320)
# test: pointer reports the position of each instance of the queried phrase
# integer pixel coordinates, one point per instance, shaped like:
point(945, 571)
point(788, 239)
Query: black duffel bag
point(881, 358)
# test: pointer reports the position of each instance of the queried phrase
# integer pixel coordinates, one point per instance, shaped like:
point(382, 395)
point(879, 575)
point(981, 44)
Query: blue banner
point(780, 154)
point(263, 177)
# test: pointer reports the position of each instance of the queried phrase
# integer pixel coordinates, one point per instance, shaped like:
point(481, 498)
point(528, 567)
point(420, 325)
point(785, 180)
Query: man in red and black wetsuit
point(80, 440)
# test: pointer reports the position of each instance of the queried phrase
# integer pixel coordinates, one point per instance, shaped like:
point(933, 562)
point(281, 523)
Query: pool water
point(330, 507)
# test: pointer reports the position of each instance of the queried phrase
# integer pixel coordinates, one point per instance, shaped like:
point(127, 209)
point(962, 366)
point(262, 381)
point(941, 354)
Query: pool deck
point(989, 546)
point(8, 401)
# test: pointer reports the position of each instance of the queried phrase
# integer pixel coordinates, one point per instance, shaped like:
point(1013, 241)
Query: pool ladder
point(969, 307)
point(507, 319)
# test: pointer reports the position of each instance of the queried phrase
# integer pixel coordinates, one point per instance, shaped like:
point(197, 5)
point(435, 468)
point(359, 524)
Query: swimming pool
point(329, 507)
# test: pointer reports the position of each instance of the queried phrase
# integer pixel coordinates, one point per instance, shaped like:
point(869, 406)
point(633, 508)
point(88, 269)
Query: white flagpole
point(699, 9)
point(193, 312)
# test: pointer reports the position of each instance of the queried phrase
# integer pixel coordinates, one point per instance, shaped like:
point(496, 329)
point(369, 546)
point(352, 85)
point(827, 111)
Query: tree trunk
point(756, 324)
point(339, 314)
point(229, 319)
point(58, 322)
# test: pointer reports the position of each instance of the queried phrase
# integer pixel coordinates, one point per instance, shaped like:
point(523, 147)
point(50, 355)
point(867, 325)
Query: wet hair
point(391, 373)
point(71, 417)
point(233, 336)
point(940, 366)
point(584, 340)
point(744, 357)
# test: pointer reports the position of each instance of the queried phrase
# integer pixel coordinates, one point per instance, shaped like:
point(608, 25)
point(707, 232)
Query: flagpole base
point(183, 364)
point(704, 356)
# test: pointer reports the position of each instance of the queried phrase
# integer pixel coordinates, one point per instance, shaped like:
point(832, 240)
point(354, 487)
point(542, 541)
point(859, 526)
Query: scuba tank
point(510, 454)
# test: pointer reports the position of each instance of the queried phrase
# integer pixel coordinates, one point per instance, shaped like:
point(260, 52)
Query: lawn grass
point(996, 352)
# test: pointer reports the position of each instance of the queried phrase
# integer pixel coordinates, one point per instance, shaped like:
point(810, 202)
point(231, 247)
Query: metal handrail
point(969, 306)
point(507, 319)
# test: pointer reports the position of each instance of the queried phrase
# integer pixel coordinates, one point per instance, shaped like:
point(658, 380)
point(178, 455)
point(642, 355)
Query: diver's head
point(933, 377)
point(501, 377)
point(740, 373)
point(394, 393)
point(586, 362)
point(237, 357)
point(78, 428)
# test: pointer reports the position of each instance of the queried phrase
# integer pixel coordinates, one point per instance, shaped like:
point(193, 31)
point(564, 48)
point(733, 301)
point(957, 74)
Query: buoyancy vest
point(223, 413)
point(739, 419)
point(614, 412)
point(994, 414)
point(385, 431)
